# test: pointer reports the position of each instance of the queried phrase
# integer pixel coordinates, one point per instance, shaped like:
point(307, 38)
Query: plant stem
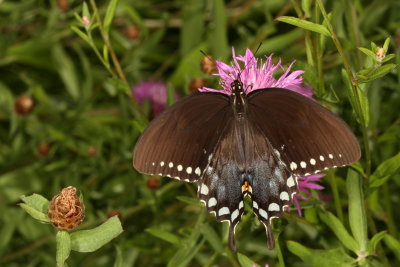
point(347, 67)
point(279, 252)
point(115, 61)
point(336, 198)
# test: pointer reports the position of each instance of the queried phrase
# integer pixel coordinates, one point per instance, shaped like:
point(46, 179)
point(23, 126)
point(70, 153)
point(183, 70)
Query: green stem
point(355, 89)
point(336, 197)
point(279, 252)
point(115, 61)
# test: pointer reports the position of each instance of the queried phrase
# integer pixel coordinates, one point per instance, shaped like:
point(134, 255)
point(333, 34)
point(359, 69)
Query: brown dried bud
point(113, 213)
point(24, 105)
point(208, 65)
point(66, 211)
point(63, 5)
point(43, 149)
point(153, 183)
point(132, 32)
point(195, 84)
point(380, 53)
point(92, 151)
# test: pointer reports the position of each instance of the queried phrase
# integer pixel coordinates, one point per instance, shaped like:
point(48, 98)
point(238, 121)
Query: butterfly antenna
point(244, 67)
point(204, 53)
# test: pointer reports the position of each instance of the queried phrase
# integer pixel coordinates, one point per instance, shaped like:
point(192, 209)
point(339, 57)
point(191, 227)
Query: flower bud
point(63, 5)
point(85, 21)
point(43, 149)
point(92, 151)
point(153, 183)
point(195, 84)
point(113, 213)
point(24, 105)
point(132, 32)
point(380, 53)
point(208, 65)
point(66, 211)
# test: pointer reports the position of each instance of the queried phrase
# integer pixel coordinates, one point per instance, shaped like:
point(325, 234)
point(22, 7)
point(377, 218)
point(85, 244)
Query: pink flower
point(305, 184)
point(257, 75)
point(155, 92)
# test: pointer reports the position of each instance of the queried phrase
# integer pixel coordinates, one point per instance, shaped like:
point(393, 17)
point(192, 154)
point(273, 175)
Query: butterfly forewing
point(309, 137)
point(179, 142)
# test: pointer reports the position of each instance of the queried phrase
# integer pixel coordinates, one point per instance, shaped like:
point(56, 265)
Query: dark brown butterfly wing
point(180, 140)
point(309, 137)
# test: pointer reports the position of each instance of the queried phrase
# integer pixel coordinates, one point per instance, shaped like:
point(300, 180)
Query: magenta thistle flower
point(155, 92)
point(258, 75)
point(304, 185)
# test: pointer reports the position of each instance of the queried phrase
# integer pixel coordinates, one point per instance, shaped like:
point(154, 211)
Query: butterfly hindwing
point(309, 137)
point(179, 141)
point(220, 187)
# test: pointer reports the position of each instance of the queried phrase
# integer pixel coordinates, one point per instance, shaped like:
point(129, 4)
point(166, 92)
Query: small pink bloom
point(305, 184)
point(155, 92)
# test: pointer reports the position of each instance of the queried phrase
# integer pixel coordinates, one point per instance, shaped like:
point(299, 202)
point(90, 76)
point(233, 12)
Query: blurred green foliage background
point(83, 125)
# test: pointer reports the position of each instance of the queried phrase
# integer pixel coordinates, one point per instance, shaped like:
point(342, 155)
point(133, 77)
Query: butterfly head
point(237, 87)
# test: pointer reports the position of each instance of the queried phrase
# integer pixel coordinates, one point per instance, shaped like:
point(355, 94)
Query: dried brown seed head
point(66, 211)
point(63, 5)
point(153, 183)
point(24, 105)
point(92, 151)
point(43, 149)
point(113, 213)
point(195, 84)
point(208, 65)
point(132, 32)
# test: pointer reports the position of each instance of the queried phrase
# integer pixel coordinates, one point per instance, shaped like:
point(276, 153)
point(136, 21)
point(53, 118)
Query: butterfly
point(241, 145)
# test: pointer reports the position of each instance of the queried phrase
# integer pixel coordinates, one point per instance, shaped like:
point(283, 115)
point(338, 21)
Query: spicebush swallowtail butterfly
point(238, 145)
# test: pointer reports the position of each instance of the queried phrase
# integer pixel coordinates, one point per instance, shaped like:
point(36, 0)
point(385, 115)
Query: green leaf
point(379, 182)
point(385, 170)
point(63, 242)
point(81, 34)
point(362, 111)
point(164, 235)
point(36, 201)
point(219, 39)
point(368, 52)
point(357, 215)
point(305, 24)
point(109, 15)
point(388, 57)
point(374, 242)
point(378, 73)
point(66, 70)
point(91, 240)
point(38, 215)
point(306, 6)
point(192, 21)
point(189, 246)
point(393, 245)
point(386, 44)
point(245, 261)
point(119, 259)
point(320, 258)
point(339, 230)
point(190, 201)
point(212, 238)
point(85, 10)
point(363, 99)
